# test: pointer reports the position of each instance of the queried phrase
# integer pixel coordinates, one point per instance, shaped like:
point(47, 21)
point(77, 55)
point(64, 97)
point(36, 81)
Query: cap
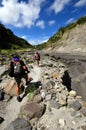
point(15, 58)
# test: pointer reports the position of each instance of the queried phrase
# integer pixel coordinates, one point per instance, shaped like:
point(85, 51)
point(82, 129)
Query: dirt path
point(2, 69)
point(13, 108)
point(36, 73)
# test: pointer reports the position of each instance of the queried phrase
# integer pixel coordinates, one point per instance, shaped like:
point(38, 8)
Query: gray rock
point(62, 99)
point(48, 97)
point(32, 110)
point(54, 104)
point(83, 111)
point(83, 127)
point(37, 99)
point(50, 84)
point(76, 114)
point(76, 105)
point(19, 124)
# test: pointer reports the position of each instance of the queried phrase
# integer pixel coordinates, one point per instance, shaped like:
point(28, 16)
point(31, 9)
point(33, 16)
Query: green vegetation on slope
point(62, 30)
point(54, 39)
point(9, 41)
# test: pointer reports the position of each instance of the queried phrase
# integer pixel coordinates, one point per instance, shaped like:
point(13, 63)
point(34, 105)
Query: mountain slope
point(71, 38)
point(10, 41)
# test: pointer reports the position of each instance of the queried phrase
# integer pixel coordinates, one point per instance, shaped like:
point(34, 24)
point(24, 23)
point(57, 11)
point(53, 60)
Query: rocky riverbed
point(76, 64)
point(56, 104)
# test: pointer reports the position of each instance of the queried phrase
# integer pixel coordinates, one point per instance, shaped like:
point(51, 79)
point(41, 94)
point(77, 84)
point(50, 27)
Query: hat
point(16, 58)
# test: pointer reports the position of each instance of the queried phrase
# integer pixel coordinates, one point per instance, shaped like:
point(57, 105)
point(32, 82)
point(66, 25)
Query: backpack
point(16, 69)
point(11, 69)
point(37, 56)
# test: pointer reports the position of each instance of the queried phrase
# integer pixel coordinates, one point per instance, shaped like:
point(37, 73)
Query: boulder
point(19, 124)
point(10, 87)
point(32, 110)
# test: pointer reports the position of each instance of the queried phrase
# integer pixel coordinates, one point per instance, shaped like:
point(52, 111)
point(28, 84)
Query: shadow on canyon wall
point(66, 80)
point(77, 72)
point(75, 77)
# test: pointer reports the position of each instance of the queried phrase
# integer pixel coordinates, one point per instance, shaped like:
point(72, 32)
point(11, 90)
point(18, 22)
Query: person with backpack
point(37, 58)
point(18, 70)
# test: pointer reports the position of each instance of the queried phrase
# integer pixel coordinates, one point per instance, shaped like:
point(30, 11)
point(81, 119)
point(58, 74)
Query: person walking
point(18, 70)
point(37, 58)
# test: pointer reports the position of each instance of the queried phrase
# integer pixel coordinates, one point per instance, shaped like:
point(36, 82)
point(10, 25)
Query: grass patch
point(31, 93)
point(10, 51)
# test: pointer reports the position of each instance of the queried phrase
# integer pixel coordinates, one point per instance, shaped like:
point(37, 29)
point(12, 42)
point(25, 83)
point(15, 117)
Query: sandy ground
point(13, 108)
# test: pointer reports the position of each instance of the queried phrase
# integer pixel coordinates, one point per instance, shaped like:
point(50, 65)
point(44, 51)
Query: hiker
point(18, 70)
point(37, 58)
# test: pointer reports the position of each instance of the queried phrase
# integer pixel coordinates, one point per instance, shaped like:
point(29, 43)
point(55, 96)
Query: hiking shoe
point(19, 99)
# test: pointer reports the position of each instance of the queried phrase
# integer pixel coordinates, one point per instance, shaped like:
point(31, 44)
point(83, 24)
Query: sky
point(37, 20)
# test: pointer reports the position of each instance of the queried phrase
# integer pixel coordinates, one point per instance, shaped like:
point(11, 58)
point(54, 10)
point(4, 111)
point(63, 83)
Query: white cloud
point(59, 5)
point(51, 22)
point(20, 14)
point(40, 24)
point(44, 39)
point(32, 42)
point(70, 21)
point(39, 41)
point(24, 37)
point(80, 3)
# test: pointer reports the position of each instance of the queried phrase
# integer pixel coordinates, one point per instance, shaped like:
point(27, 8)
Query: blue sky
point(37, 20)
